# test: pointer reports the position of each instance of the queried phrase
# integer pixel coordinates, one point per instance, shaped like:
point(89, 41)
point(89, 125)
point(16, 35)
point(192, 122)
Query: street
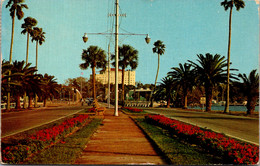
point(240, 127)
point(15, 122)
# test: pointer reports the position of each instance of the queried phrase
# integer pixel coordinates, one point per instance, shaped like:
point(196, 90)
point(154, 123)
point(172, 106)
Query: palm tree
point(165, 90)
point(230, 4)
point(159, 48)
point(128, 56)
point(210, 73)
point(38, 36)
point(27, 26)
point(49, 87)
point(94, 57)
point(250, 88)
point(20, 73)
point(16, 8)
point(184, 78)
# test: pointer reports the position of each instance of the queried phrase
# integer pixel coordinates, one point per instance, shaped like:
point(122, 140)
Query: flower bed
point(135, 110)
point(16, 153)
point(232, 151)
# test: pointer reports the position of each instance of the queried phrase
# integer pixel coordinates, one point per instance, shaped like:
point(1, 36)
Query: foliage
point(69, 149)
point(184, 78)
point(233, 151)
point(210, 71)
point(174, 150)
point(93, 57)
point(166, 90)
point(134, 110)
point(16, 153)
point(250, 88)
point(16, 7)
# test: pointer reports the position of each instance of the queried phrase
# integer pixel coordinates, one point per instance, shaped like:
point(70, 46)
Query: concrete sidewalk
point(119, 141)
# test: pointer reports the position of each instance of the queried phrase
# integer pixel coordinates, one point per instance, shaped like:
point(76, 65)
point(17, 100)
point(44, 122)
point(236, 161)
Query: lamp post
point(147, 40)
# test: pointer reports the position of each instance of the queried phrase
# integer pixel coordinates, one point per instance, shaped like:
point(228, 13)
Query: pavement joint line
point(40, 124)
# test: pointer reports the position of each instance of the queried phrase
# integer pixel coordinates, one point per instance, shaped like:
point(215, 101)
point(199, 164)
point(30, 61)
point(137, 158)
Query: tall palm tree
point(27, 26)
point(230, 4)
point(250, 88)
point(159, 48)
point(165, 90)
point(16, 8)
point(38, 36)
point(210, 72)
point(184, 77)
point(94, 57)
point(128, 56)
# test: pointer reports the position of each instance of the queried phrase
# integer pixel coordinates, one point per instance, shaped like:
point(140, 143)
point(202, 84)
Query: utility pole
point(116, 60)
point(108, 97)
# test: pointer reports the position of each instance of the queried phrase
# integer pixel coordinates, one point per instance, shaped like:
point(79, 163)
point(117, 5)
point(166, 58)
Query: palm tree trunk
point(123, 85)
point(36, 54)
point(251, 101)
point(157, 71)
point(168, 102)
point(185, 101)
point(24, 100)
point(93, 82)
point(44, 102)
point(18, 102)
point(27, 48)
point(156, 78)
point(228, 61)
point(35, 96)
point(30, 101)
point(10, 61)
point(209, 95)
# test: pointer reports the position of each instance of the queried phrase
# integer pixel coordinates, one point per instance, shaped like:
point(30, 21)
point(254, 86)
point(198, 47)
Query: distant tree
point(229, 4)
point(165, 90)
point(184, 78)
point(27, 26)
point(94, 57)
point(49, 88)
point(210, 72)
point(250, 88)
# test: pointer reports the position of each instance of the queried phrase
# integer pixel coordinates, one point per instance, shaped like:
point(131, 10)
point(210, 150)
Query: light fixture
point(85, 37)
point(147, 39)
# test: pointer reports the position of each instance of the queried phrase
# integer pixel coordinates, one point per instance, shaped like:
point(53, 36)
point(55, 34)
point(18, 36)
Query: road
point(240, 127)
point(15, 122)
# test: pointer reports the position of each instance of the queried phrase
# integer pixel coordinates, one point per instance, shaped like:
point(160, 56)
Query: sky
point(186, 27)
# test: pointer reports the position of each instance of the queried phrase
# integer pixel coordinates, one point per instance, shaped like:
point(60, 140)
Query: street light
point(85, 36)
point(85, 39)
point(147, 40)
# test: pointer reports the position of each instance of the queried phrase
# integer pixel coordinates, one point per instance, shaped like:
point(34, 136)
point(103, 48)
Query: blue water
point(231, 108)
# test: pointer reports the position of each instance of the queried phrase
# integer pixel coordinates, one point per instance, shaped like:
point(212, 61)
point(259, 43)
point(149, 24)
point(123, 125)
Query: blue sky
point(186, 27)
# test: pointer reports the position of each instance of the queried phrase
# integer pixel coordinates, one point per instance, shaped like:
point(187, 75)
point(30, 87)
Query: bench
point(99, 110)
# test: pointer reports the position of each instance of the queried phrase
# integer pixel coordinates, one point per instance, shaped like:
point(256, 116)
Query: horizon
point(186, 30)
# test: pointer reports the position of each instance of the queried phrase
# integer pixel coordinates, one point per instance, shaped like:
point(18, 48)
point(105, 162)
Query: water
point(231, 108)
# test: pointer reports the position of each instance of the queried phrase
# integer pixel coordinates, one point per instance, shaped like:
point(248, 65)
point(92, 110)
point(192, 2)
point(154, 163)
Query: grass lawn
point(68, 151)
point(175, 150)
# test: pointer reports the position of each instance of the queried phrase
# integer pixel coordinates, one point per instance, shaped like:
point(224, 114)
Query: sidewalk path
point(119, 141)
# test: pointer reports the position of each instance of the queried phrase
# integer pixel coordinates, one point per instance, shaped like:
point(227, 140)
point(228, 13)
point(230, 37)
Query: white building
point(128, 80)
